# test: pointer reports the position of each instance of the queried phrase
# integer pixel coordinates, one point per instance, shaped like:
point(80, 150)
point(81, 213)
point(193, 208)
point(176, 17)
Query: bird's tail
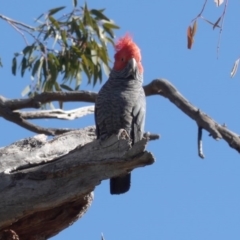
point(119, 185)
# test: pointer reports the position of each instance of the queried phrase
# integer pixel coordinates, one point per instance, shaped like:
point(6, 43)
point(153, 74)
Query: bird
point(121, 102)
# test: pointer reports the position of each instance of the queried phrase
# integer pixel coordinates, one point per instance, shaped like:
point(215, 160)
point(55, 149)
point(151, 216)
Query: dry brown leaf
point(190, 39)
point(194, 29)
point(218, 2)
point(235, 67)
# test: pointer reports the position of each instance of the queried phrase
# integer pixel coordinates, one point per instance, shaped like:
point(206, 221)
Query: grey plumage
point(121, 104)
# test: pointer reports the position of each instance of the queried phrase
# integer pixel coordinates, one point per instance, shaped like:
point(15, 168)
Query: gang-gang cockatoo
point(121, 102)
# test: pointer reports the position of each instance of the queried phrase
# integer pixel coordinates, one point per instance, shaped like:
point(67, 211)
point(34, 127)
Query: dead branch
point(58, 113)
point(38, 100)
point(160, 87)
point(15, 117)
point(9, 20)
point(75, 163)
point(166, 89)
point(31, 171)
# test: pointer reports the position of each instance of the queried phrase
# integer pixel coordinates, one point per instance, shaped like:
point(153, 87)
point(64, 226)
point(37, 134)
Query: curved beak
point(132, 67)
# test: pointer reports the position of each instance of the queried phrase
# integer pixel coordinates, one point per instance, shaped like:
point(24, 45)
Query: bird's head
point(127, 57)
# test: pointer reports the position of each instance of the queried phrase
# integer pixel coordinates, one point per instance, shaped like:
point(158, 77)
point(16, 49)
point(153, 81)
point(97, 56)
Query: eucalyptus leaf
point(55, 10)
point(23, 66)
point(99, 14)
point(75, 3)
point(71, 46)
point(25, 91)
point(106, 69)
point(66, 87)
point(14, 66)
point(35, 67)
point(110, 25)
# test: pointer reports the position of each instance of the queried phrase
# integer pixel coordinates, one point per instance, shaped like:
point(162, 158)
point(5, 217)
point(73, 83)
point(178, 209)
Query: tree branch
point(166, 89)
point(15, 117)
point(38, 100)
point(32, 170)
point(17, 22)
point(160, 87)
point(58, 113)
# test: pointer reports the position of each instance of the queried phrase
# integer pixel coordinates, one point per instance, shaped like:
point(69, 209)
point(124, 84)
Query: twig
point(38, 100)
point(200, 148)
point(221, 27)
point(16, 22)
point(15, 117)
point(156, 87)
point(19, 31)
point(151, 136)
point(58, 113)
point(200, 14)
point(164, 88)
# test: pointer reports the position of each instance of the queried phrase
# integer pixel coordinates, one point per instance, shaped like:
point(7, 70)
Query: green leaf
point(57, 87)
point(95, 75)
point(35, 67)
point(51, 29)
point(39, 17)
point(39, 76)
point(75, 3)
point(100, 73)
point(75, 28)
point(103, 55)
point(94, 57)
point(78, 80)
point(99, 15)
point(14, 66)
point(66, 87)
point(53, 71)
point(42, 47)
point(31, 60)
point(53, 58)
point(48, 87)
point(110, 40)
point(87, 72)
point(87, 20)
point(45, 68)
point(106, 69)
point(64, 37)
point(109, 31)
point(25, 91)
point(24, 66)
point(55, 10)
point(28, 49)
point(54, 22)
point(110, 25)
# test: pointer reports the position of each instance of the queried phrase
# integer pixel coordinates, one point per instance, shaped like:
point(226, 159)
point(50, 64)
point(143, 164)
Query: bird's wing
point(102, 110)
point(95, 117)
point(139, 113)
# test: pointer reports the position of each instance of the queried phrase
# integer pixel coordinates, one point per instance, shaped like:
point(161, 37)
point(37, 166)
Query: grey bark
point(58, 113)
point(159, 87)
point(42, 179)
point(39, 155)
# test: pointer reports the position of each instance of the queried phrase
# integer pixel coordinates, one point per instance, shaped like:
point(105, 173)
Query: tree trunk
point(47, 185)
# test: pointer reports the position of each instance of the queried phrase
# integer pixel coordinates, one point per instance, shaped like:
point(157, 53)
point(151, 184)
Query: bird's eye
point(122, 59)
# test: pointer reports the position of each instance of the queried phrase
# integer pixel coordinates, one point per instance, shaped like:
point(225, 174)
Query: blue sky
point(180, 197)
